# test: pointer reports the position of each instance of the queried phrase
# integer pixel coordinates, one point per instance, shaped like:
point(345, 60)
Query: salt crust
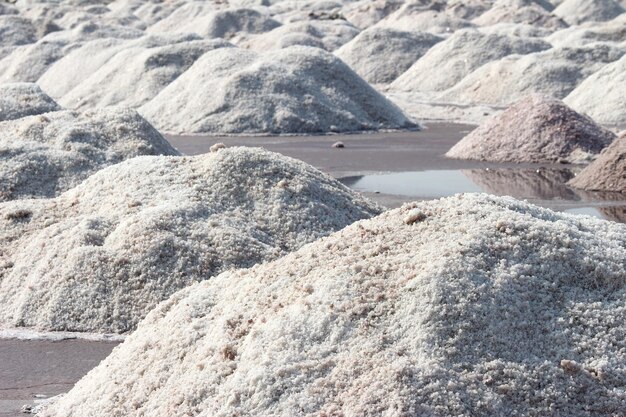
point(100, 256)
point(472, 305)
point(46, 154)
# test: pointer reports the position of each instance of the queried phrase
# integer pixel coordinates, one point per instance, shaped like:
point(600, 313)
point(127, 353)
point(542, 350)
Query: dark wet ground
point(391, 168)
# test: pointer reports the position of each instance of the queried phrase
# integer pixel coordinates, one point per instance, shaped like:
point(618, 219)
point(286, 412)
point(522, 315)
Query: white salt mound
point(292, 90)
point(576, 12)
point(427, 16)
point(24, 99)
point(380, 55)
point(576, 36)
point(601, 95)
point(607, 172)
point(28, 62)
point(16, 30)
point(554, 72)
point(520, 11)
point(99, 257)
point(449, 61)
point(366, 13)
point(468, 306)
point(135, 75)
point(44, 155)
point(535, 129)
point(229, 23)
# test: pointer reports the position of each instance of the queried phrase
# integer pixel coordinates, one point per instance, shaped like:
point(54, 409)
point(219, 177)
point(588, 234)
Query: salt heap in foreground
point(24, 99)
point(471, 305)
point(46, 154)
point(99, 257)
point(535, 129)
point(607, 172)
point(293, 90)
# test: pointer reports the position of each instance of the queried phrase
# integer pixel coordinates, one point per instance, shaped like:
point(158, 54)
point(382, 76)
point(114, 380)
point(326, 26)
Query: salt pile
point(380, 55)
point(520, 11)
point(601, 95)
point(428, 16)
point(24, 99)
point(449, 61)
point(16, 30)
point(607, 172)
point(184, 13)
point(44, 155)
point(576, 12)
point(366, 13)
point(293, 90)
point(574, 36)
point(472, 305)
point(325, 34)
point(555, 72)
point(27, 63)
point(103, 254)
point(535, 129)
point(230, 23)
point(135, 75)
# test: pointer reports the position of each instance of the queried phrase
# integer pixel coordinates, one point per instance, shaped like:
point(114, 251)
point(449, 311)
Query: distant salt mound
point(24, 99)
point(449, 61)
point(555, 72)
point(601, 95)
point(380, 55)
point(16, 30)
point(425, 16)
point(607, 172)
point(325, 34)
point(28, 62)
point(366, 13)
point(229, 23)
point(135, 75)
point(467, 9)
point(576, 12)
point(44, 155)
point(293, 90)
point(426, 310)
point(520, 11)
point(183, 14)
point(102, 255)
point(151, 13)
point(516, 29)
point(535, 129)
point(78, 65)
point(576, 36)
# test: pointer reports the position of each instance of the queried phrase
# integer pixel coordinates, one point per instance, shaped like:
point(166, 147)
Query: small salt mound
point(467, 9)
point(520, 11)
point(555, 72)
point(607, 172)
point(135, 75)
point(16, 30)
point(102, 255)
point(24, 99)
point(468, 306)
point(151, 13)
point(516, 29)
point(183, 14)
point(611, 31)
point(230, 23)
point(601, 95)
point(449, 61)
point(293, 90)
point(576, 12)
point(380, 55)
point(366, 13)
point(81, 63)
point(89, 31)
point(423, 16)
point(325, 34)
point(28, 62)
point(44, 155)
point(535, 129)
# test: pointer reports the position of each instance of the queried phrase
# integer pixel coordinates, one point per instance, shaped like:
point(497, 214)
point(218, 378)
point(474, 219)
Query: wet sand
point(35, 369)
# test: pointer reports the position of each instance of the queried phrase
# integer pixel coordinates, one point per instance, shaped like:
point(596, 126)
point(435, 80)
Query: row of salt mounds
point(74, 68)
point(467, 306)
point(602, 95)
point(325, 34)
point(380, 55)
point(520, 11)
point(535, 129)
point(46, 154)
point(576, 12)
point(102, 255)
point(292, 90)
point(449, 61)
point(24, 99)
point(135, 75)
point(607, 172)
point(554, 72)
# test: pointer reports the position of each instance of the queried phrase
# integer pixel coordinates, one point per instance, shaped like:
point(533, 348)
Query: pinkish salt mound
point(608, 172)
point(536, 129)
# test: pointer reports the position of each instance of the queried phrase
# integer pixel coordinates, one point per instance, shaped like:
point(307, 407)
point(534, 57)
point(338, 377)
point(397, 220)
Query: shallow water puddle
point(542, 185)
